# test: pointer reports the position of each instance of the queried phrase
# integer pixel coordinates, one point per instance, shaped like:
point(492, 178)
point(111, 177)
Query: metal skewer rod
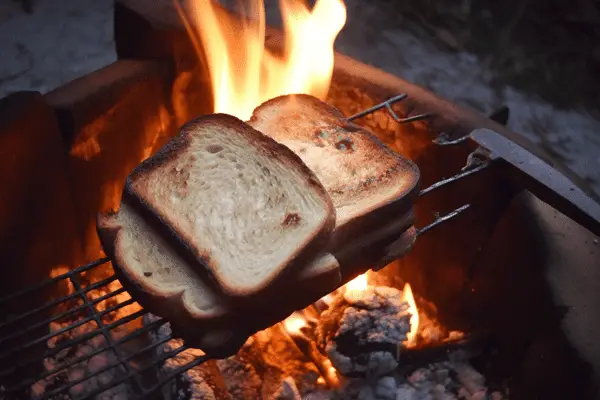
point(454, 178)
point(442, 219)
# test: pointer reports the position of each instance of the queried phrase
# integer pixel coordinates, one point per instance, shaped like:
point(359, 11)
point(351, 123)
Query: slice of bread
point(154, 273)
point(245, 206)
point(368, 183)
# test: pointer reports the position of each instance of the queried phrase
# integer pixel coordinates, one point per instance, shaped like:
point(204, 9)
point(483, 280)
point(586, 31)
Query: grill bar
point(97, 317)
point(455, 178)
point(440, 220)
point(388, 106)
point(58, 278)
point(169, 377)
point(59, 316)
point(146, 368)
point(146, 329)
point(72, 342)
point(131, 373)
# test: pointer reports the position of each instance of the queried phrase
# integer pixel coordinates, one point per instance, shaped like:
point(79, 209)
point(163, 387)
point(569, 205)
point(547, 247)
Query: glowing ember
point(407, 296)
point(294, 322)
point(356, 287)
point(359, 283)
point(243, 73)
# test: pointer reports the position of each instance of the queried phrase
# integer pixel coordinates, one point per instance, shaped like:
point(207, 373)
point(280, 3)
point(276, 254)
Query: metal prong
point(500, 116)
point(454, 178)
point(441, 220)
point(406, 120)
point(443, 140)
point(379, 106)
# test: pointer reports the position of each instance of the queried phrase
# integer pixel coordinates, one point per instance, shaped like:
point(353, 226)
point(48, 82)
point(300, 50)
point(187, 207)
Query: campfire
point(453, 318)
point(245, 74)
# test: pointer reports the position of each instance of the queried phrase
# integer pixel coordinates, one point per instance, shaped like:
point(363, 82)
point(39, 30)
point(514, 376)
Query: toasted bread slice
point(367, 181)
point(245, 206)
point(154, 273)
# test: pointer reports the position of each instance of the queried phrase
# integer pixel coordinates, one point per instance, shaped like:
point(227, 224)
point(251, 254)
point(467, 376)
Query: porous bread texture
point(245, 206)
point(360, 173)
point(153, 271)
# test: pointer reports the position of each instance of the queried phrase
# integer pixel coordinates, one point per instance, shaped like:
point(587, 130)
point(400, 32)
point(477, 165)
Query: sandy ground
point(65, 39)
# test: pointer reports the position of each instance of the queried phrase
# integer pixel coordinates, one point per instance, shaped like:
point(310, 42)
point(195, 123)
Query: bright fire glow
point(243, 72)
point(407, 296)
point(356, 287)
point(359, 283)
point(294, 323)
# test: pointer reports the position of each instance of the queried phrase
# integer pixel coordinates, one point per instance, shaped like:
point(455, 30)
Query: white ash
point(288, 390)
point(241, 379)
point(445, 381)
point(258, 371)
point(281, 368)
point(376, 316)
point(91, 365)
point(268, 366)
point(448, 380)
point(195, 383)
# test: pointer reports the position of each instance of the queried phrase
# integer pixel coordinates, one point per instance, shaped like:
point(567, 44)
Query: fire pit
point(500, 284)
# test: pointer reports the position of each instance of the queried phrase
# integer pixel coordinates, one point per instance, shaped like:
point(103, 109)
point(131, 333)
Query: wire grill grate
point(82, 307)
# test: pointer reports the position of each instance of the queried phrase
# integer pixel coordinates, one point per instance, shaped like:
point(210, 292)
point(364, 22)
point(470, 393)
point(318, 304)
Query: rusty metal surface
point(38, 230)
point(541, 179)
point(535, 286)
point(111, 120)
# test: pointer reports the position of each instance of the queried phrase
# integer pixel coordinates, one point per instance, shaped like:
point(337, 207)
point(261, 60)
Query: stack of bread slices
point(233, 225)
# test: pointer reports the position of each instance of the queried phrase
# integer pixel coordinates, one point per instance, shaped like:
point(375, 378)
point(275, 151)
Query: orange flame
point(407, 296)
point(243, 72)
point(294, 323)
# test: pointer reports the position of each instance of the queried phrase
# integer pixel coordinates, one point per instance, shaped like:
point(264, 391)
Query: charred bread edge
point(311, 99)
point(375, 218)
point(270, 148)
point(170, 307)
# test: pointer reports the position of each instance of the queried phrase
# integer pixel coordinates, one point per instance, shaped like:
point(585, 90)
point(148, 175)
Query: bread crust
point(170, 307)
point(203, 263)
point(399, 176)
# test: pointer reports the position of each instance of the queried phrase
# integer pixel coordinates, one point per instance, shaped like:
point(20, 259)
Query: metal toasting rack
point(493, 148)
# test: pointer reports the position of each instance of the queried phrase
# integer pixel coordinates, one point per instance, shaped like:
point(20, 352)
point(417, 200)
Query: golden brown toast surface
point(359, 172)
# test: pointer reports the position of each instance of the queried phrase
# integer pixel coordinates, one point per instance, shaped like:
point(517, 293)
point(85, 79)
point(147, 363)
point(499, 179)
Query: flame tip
point(243, 72)
point(408, 297)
